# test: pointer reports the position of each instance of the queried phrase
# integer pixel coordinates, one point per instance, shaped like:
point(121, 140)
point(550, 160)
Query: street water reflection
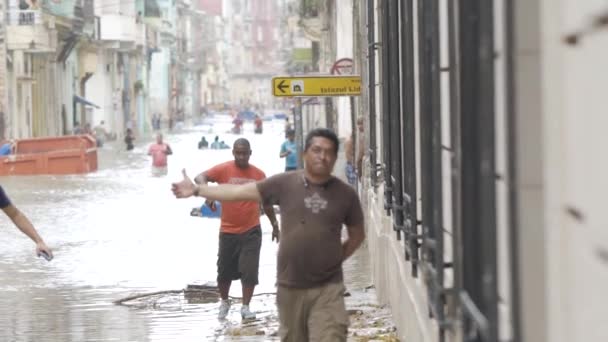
point(119, 232)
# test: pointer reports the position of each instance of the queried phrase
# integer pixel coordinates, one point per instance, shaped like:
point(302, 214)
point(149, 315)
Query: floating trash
point(168, 299)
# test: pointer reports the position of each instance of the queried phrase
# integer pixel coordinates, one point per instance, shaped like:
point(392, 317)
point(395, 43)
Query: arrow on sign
point(282, 86)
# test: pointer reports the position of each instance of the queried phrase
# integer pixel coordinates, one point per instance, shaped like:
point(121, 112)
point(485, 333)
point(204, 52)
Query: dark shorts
point(238, 256)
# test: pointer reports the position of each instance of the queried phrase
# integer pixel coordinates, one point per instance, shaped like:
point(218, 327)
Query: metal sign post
point(297, 121)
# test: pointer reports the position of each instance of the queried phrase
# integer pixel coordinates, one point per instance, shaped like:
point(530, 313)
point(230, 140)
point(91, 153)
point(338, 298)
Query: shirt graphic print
point(315, 203)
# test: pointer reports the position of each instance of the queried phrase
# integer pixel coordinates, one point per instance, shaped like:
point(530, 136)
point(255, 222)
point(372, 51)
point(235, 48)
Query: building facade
point(481, 174)
point(67, 64)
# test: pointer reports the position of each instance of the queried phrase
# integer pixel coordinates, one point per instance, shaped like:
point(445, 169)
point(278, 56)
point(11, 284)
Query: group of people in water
point(215, 145)
point(160, 149)
point(237, 125)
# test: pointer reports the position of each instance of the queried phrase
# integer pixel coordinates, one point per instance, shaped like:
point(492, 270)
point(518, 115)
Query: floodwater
point(120, 232)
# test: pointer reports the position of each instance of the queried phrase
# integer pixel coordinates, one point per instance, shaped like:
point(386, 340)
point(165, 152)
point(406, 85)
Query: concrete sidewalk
point(368, 320)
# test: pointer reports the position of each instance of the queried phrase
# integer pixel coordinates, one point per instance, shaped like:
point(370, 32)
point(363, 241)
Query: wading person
point(203, 143)
point(159, 152)
point(101, 134)
point(7, 148)
point(215, 145)
point(353, 165)
point(289, 151)
point(240, 232)
point(24, 224)
point(129, 138)
point(314, 206)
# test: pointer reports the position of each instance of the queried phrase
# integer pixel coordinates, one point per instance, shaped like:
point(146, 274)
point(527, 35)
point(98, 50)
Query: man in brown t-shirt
point(314, 207)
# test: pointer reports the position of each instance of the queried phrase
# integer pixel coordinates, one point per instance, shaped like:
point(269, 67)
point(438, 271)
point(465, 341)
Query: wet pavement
point(119, 232)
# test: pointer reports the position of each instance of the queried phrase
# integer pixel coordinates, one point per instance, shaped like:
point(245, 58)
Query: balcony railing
point(71, 10)
point(24, 17)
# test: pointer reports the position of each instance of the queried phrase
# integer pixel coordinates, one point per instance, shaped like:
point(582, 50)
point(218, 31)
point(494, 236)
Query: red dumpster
point(52, 155)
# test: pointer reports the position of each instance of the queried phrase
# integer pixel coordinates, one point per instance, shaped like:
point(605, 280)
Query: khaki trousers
point(316, 315)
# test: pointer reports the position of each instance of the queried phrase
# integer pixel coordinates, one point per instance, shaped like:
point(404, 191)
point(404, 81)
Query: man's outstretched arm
point(223, 192)
point(25, 225)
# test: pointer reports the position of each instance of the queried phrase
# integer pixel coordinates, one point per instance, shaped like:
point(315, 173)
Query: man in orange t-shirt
point(240, 233)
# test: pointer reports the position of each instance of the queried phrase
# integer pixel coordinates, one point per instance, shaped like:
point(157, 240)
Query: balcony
point(118, 28)
point(26, 30)
point(24, 17)
point(69, 16)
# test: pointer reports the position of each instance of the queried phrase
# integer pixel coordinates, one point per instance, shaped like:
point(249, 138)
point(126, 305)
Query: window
point(419, 95)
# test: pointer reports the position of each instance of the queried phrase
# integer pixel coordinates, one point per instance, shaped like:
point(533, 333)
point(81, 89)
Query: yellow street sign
point(316, 86)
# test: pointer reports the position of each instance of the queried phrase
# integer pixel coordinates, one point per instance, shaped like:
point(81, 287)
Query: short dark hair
point(242, 142)
point(323, 133)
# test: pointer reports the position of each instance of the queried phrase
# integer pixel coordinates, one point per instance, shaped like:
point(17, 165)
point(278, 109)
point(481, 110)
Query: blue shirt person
point(24, 224)
point(216, 143)
point(289, 151)
point(7, 148)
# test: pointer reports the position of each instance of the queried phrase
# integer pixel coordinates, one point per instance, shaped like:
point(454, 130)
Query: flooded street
point(119, 232)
